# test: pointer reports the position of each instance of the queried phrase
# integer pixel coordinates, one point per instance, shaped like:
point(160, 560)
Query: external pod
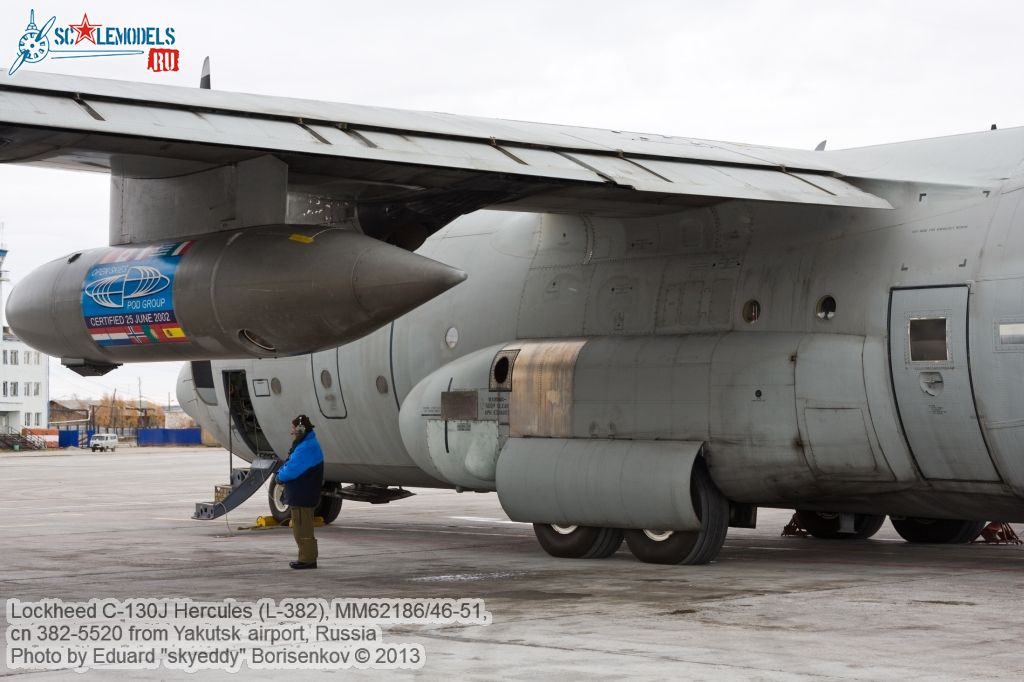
point(260, 292)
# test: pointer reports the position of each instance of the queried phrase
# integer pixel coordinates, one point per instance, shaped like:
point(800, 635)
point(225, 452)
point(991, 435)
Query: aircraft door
point(932, 382)
point(242, 414)
point(327, 383)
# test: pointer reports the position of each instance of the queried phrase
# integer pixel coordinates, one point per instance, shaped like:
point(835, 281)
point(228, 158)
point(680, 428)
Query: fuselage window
point(826, 308)
point(451, 337)
point(928, 340)
point(751, 311)
point(1011, 334)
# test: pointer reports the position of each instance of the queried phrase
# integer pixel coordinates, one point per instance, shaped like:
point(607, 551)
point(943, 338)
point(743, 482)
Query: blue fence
point(67, 438)
point(170, 437)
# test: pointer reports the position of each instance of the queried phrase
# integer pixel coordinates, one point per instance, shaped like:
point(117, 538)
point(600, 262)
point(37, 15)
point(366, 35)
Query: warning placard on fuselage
point(128, 296)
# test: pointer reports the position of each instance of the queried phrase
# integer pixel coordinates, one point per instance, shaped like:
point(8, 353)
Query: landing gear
point(329, 507)
point(828, 525)
point(687, 547)
point(578, 542)
point(275, 496)
point(939, 531)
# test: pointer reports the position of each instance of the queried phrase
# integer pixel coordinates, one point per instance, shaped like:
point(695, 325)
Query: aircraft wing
point(424, 163)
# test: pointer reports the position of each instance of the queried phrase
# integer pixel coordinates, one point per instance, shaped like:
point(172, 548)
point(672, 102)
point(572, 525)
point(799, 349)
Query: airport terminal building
point(24, 385)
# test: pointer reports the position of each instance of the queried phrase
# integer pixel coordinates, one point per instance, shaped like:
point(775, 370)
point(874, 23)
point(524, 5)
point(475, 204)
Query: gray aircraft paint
point(649, 289)
point(824, 430)
point(934, 393)
point(264, 292)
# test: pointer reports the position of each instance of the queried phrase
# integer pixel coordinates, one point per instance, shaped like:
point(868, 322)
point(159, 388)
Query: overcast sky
point(778, 73)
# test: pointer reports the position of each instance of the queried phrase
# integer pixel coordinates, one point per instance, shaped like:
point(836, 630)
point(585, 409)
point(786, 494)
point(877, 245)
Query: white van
point(103, 441)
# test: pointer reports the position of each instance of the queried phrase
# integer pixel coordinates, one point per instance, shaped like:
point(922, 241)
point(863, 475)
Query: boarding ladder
point(244, 482)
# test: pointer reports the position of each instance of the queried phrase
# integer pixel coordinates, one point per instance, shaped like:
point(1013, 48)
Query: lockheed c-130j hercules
point(655, 335)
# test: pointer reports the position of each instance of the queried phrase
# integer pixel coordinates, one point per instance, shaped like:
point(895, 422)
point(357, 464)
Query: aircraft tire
point(937, 531)
point(578, 542)
point(688, 547)
point(281, 512)
point(329, 508)
point(825, 525)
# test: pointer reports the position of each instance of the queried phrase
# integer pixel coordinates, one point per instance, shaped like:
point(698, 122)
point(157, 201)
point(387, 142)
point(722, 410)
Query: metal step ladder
point(244, 482)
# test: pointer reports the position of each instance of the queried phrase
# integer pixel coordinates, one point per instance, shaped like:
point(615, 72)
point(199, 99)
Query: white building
point(176, 418)
point(24, 384)
point(24, 378)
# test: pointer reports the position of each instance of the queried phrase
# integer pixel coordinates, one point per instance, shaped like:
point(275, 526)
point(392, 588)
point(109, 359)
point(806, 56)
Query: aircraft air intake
point(259, 292)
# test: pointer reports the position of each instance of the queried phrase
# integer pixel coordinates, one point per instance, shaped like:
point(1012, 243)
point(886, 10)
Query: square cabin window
point(928, 340)
point(1011, 334)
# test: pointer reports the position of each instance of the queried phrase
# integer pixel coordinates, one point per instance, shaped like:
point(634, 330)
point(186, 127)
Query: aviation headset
point(302, 424)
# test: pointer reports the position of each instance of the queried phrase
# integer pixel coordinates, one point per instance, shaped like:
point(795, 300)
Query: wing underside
point(450, 164)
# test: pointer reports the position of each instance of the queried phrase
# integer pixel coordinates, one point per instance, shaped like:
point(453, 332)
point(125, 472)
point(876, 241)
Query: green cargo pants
point(302, 529)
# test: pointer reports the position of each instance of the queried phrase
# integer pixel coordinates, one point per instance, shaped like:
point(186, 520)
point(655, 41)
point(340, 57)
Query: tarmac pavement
point(77, 526)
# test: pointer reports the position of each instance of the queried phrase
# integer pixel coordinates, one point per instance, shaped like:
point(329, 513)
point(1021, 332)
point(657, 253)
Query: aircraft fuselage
point(838, 359)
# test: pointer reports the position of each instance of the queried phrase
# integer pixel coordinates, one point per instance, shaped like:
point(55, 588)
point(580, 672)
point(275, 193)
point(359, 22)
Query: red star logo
point(85, 30)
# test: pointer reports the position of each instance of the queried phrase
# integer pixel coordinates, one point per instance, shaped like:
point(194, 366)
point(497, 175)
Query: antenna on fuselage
point(821, 146)
point(204, 78)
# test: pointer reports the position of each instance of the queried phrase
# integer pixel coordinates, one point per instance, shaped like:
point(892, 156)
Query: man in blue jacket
point(303, 476)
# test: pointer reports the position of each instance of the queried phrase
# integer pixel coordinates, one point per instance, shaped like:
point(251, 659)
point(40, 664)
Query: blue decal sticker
point(128, 297)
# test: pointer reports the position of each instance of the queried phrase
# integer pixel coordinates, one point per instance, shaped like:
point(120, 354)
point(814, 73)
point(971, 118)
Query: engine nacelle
point(258, 292)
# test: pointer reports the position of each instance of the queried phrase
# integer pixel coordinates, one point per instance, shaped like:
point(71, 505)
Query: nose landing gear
point(328, 509)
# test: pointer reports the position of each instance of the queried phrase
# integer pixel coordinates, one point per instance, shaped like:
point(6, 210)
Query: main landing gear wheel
point(826, 525)
point(329, 507)
point(578, 542)
point(275, 496)
point(941, 531)
point(688, 547)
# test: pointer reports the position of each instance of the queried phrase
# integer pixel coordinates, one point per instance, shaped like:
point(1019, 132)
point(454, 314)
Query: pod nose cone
point(14, 313)
point(389, 282)
point(28, 311)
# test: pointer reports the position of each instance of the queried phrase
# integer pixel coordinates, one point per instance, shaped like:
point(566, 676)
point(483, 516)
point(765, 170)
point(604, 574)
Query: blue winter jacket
point(303, 473)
